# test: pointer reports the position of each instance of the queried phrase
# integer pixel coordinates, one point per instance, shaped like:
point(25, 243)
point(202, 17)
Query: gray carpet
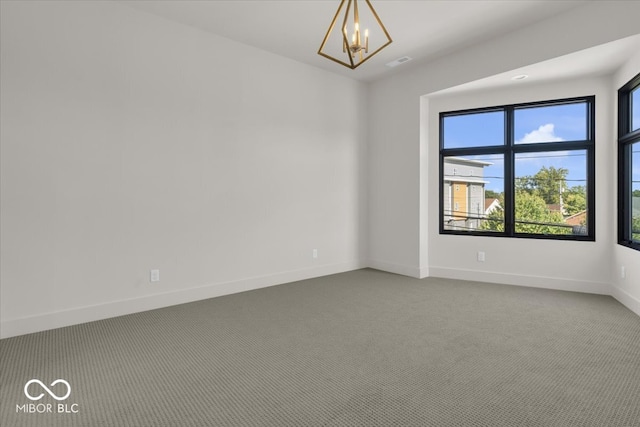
point(363, 348)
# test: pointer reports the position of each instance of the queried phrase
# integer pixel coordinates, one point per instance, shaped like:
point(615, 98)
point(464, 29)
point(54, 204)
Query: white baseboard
point(27, 325)
point(626, 299)
point(404, 270)
point(522, 280)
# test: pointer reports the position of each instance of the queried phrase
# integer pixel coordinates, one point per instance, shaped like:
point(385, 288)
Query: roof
point(577, 219)
point(460, 178)
point(489, 202)
point(490, 205)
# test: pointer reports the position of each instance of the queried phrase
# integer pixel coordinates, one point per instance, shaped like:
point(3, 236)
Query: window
point(629, 164)
point(529, 170)
point(635, 112)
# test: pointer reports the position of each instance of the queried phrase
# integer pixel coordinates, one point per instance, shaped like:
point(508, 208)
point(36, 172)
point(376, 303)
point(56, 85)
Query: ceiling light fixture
point(348, 44)
point(520, 77)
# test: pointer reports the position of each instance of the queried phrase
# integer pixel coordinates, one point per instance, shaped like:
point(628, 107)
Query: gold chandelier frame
point(356, 52)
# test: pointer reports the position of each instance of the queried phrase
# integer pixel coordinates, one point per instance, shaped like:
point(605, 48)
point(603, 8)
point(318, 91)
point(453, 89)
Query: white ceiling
point(421, 29)
point(598, 60)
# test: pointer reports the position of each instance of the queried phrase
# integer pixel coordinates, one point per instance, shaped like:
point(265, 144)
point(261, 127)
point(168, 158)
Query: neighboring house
point(579, 223)
point(491, 205)
point(464, 201)
point(579, 218)
point(556, 207)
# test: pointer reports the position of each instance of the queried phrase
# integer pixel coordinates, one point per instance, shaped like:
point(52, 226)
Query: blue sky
point(531, 125)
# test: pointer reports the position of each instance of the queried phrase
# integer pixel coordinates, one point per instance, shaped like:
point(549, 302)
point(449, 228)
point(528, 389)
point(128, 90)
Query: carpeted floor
point(363, 348)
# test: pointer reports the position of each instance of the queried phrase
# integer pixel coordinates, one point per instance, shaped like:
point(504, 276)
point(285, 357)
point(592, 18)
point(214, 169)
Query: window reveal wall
point(542, 262)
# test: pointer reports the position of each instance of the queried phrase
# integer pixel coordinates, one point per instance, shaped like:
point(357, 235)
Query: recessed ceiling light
point(520, 77)
point(399, 61)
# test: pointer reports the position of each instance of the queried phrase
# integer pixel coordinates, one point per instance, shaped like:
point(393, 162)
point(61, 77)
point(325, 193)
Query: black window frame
point(510, 149)
point(626, 138)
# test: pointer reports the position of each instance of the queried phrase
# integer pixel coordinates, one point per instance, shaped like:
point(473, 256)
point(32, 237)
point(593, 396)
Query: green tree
point(490, 194)
point(575, 200)
point(526, 183)
point(549, 182)
point(635, 228)
point(532, 216)
point(494, 221)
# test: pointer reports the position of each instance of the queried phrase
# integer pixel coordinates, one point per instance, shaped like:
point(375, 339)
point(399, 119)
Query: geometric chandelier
point(349, 45)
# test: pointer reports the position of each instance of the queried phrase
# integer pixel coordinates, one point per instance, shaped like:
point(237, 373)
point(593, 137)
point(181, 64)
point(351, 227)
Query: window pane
point(635, 109)
point(635, 192)
point(556, 123)
point(473, 193)
point(474, 130)
point(551, 193)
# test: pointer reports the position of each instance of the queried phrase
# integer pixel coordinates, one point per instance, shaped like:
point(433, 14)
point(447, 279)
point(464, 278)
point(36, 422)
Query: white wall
point(627, 289)
point(567, 265)
point(399, 195)
point(130, 143)
point(402, 154)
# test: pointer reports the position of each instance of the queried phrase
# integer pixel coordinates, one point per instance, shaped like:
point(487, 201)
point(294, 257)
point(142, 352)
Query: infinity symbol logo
point(52, 394)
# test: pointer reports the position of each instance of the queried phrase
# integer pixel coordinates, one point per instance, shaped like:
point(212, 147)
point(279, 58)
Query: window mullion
point(509, 173)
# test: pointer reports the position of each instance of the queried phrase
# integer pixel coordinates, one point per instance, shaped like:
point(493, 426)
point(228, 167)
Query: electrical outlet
point(480, 256)
point(315, 254)
point(623, 272)
point(154, 276)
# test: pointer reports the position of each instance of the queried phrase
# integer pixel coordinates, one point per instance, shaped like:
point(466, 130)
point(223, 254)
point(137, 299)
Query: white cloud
point(545, 133)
